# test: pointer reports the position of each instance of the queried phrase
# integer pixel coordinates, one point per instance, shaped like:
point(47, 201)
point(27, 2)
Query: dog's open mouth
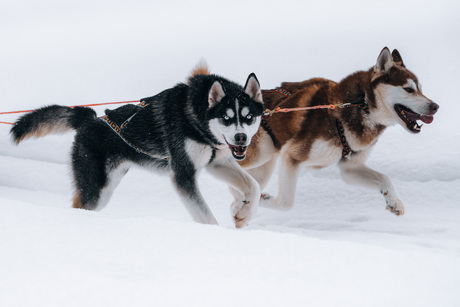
point(238, 152)
point(410, 118)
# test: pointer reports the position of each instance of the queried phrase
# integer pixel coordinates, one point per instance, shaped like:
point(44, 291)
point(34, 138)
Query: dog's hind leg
point(288, 173)
point(88, 187)
point(94, 178)
point(114, 177)
point(353, 170)
point(94, 189)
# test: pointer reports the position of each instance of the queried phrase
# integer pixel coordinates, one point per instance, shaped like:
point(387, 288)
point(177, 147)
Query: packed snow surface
point(337, 247)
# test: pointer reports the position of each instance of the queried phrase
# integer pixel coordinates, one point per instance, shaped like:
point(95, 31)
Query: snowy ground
point(337, 247)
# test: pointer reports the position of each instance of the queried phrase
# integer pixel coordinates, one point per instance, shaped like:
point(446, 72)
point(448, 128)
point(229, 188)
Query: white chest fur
point(199, 154)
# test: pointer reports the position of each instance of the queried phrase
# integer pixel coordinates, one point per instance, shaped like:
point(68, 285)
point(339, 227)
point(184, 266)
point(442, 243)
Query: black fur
point(160, 129)
point(120, 114)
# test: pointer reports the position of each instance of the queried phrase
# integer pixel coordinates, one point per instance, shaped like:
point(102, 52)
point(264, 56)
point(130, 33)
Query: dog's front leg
point(184, 179)
point(355, 171)
point(247, 190)
point(287, 176)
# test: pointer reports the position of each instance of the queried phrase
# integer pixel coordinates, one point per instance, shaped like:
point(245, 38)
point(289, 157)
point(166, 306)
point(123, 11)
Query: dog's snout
point(434, 107)
point(241, 138)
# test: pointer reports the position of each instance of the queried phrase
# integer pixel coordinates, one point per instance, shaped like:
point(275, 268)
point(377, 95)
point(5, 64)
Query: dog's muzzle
point(239, 148)
point(410, 117)
point(238, 152)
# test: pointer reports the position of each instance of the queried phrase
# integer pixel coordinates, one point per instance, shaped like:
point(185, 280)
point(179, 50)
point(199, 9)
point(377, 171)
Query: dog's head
point(398, 95)
point(235, 113)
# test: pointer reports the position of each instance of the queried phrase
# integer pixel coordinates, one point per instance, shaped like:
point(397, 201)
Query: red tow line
point(82, 105)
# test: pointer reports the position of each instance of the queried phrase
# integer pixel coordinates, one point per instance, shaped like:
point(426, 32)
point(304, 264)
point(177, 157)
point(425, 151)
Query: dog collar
point(361, 104)
point(266, 126)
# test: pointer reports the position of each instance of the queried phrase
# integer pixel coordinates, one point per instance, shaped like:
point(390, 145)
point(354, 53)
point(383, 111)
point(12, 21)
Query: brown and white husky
point(366, 103)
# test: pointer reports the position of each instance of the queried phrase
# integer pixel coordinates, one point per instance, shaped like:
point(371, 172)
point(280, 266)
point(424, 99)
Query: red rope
point(105, 103)
point(267, 112)
point(12, 112)
point(82, 105)
point(286, 110)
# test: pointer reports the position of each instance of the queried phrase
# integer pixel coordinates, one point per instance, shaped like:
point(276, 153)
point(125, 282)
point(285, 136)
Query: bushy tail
point(51, 119)
point(200, 69)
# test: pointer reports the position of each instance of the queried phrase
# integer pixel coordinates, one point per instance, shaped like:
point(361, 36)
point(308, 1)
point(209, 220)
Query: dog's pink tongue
point(239, 150)
point(427, 119)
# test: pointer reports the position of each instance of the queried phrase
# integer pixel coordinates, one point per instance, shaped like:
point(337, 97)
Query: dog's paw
point(396, 207)
point(242, 212)
point(265, 196)
point(271, 202)
point(267, 201)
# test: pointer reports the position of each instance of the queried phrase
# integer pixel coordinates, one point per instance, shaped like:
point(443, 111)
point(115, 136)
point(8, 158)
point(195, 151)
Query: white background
point(337, 247)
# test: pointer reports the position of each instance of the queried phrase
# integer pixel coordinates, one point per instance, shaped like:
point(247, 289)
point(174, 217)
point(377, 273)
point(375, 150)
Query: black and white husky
point(208, 122)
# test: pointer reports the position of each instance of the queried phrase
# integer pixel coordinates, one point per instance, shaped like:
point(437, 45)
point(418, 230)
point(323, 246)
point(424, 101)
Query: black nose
point(240, 138)
point(434, 107)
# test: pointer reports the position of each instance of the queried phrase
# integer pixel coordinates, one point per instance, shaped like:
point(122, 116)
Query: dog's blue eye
point(225, 117)
point(249, 116)
point(409, 89)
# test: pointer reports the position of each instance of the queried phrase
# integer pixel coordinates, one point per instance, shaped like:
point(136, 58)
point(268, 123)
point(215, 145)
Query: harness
point(118, 130)
point(346, 149)
point(282, 91)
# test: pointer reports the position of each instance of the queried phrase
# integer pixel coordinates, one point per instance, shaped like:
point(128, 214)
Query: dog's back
point(306, 89)
point(297, 86)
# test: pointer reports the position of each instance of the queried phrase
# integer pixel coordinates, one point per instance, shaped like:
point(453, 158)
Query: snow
point(337, 247)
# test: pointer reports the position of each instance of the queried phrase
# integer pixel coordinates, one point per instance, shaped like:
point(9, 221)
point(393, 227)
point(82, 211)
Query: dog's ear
point(216, 93)
point(252, 88)
point(397, 58)
point(384, 61)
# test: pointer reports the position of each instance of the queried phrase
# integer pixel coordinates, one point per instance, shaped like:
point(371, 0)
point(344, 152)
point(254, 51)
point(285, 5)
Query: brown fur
point(77, 201)
point(42, 131)
point(200, 69)
point(302, 128)
point(312, 136)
